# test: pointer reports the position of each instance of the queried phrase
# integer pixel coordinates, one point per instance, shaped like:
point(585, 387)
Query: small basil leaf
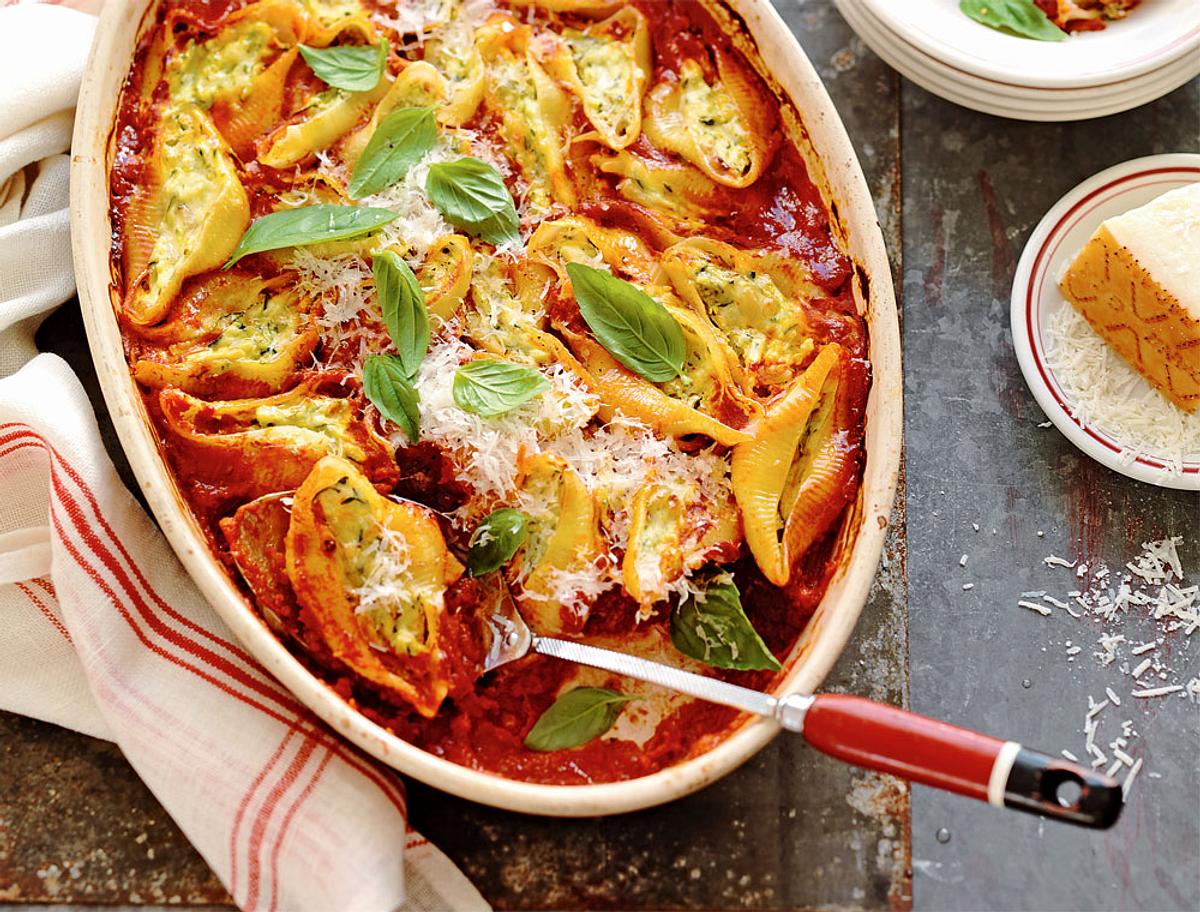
point(717, 632)
point(402, 302)
point(575, 718)
point(387, 386)
point(496, 540)
point(473, 196)
point(308, 225)
point(491, 388)
point(1021, 17)
point(355, 68)
point(400, 141)
point(637, 330)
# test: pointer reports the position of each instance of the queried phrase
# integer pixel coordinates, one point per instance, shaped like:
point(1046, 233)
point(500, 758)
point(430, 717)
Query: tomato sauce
point(484, 720)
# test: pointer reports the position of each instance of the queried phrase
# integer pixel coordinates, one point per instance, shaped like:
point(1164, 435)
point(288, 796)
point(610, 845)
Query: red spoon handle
point(920, 749)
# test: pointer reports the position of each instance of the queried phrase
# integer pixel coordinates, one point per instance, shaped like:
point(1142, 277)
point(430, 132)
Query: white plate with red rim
point(1037, 302)
point(1153, 35)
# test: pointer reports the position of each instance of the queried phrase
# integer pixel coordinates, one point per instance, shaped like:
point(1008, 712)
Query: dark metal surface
point(793, 829)
point(974, 188)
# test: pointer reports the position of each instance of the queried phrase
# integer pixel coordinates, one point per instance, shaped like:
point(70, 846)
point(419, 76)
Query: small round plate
point(1151, 36)
point(1036, 299)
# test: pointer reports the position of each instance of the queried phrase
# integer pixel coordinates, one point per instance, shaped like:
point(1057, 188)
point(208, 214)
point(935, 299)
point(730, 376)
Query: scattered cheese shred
point(1158, 691)
point(1128, 783)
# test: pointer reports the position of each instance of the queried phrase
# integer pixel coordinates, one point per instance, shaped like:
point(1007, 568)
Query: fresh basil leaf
point(355, 68)
point(575, 718)
point(490, 388)
point(1021, 17)
point(308, 225)
point(496, 540)
point(717, 632)
point(387, 386)
point(402, 301)
point(637, 330)
point(473, 196)
point(400, 141)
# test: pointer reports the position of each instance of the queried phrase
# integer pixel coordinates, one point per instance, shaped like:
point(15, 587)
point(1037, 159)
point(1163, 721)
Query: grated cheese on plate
point(1106, 394)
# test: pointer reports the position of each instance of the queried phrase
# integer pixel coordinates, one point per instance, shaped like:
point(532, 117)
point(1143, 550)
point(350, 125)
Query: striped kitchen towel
point(102, 631)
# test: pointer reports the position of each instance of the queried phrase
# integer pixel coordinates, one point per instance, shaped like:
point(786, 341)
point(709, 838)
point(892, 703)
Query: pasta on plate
point(438, 306)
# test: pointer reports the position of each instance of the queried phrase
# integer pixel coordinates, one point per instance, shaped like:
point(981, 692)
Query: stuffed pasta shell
point(717, 117)
point(256, 446)
point(373, 572)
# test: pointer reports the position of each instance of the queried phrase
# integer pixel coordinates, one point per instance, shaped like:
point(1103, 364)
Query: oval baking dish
point(831, 163)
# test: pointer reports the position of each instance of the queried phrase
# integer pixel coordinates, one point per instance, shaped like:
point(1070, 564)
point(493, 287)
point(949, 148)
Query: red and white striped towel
point(102, 631)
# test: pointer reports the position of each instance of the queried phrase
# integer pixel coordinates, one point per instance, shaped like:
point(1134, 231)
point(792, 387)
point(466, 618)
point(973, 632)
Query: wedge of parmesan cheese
point(1137, 282)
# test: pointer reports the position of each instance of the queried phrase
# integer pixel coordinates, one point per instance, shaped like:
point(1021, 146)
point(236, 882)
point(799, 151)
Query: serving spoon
point(861, 732)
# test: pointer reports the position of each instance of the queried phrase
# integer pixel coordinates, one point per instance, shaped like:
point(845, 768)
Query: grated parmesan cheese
point(1157, 691)
point(1106, 394)
point(613, 460)
point(342, 283)
point(1128, 783)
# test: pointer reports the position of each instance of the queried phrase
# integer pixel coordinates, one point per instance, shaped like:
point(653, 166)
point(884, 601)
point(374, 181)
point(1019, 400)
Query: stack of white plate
point(1133, 61)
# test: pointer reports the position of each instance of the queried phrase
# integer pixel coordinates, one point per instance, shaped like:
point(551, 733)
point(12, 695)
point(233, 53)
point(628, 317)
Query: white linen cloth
point(101, 630)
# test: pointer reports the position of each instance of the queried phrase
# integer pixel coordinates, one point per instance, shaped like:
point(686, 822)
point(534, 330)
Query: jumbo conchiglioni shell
point(143, 216)
point(153, 64)
point(200, 306)
point(445, 276)
point(712, 367)
point(190, 212)
point(555, 115)
point(725, 128)
point(654, 556)
point(419, 85)
point(329, 20)
point(505, 319)
point(251, 447)
point(760, 468)
point(673, 531)
point(243, 122)
point(739, 293)
point(340, 540)
point(669, 187)
point(533, 282)
point(463, 72)
point(287, 19)
point(533, 112)
point(819, 481)
point(255, 344)
point(314, 130)
point(256, 534)
point(566, 523)
point(621, 389)
point(579, 239)
point(607, 66)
